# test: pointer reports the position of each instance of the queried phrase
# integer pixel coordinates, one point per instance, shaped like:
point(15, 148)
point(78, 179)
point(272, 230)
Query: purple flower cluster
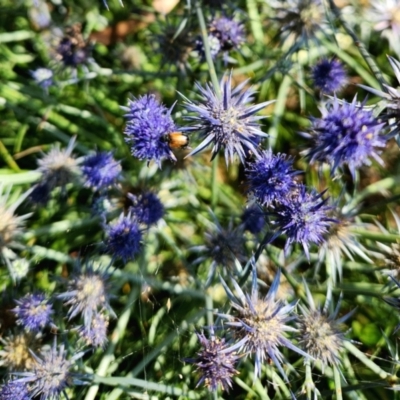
point(329, 75)
point(148, 125)
point(347, 134)
point(146, 207)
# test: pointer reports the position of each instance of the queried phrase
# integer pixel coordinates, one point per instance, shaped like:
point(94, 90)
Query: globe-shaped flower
point(260, 324)
point(14, 391)
point(329, 75)
point(227, 123)
point(347, 134)
point(33, 312)
point(100, 170)
point(320, 333)
point(96, 334)
point(146, 207)
point(215, 362)
point(124, 238)
point(303, 218)
point(253, 219)
point(271, 178)
point(87, 294)
point(43, 77)
point(148, 125)
point(50, 374)
point(16, 352)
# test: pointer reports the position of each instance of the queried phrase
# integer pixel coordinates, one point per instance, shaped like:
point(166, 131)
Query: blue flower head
point(87, 294)
point(33, 312)
point(14, 390)
point(271, 178)
point(43, 77)
point(329, 75)
point(227, 123)
point(303, 218)
point(50, 374)
point(96, 334)
point(260, 323)
point(124, 238)
point(253, 219)
point(148, 125)
point(347, 134)
point(100, 170)
point(147, 208)
point(215, 362)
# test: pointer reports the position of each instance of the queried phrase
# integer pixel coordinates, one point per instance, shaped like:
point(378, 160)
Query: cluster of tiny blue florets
point(146, 207)
point(329, 75)
point(147, 127)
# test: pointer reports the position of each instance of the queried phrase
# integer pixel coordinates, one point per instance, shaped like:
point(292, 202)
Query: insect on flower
point(177, 140)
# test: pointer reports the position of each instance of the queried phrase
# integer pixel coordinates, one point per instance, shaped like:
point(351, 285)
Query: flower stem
point(338, 383)
point(207, 51)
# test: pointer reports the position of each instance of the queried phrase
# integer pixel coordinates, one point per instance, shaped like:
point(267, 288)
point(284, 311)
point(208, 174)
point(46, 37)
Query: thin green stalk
point(363, 51)
point(338, 383)
point(8, 158)
point(109, 357)
point(207, 51)
point(214, 183)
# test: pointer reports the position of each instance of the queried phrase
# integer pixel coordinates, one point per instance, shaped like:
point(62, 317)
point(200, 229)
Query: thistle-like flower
point(227, 122)
point(215, 362)
point(299, 19)
point(147, 208)
point(271, 178)
point(224, 247)
point(95, 334)
point(16, 353)
point(73, 50)
point(320, 332)
point(385, 14)
point(100, 170)
point(58, 168)
point(390, 99)
point(87, 294)
point(225, 34)
point(50, 374)
point(13, 390)
point(303, 218)
point(123, 238)
point(260, 324)
point(347, 134)
point(33, 312)
point(148, 125)
point(43, 77)
point(329, 75)
point(253, 219)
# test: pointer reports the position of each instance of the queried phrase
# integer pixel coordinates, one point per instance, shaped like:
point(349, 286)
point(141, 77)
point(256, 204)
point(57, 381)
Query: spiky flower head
point(215, 362)
point(260, 324)
point(347, 134)
point(87, 294)
point(96, 334)
point(390, 99)
point(58, 168)
point(224, 247)
point(13, 390)
point(10, 224)
point(300, 20)
point(304, 218)
point(227, 122)
point(33, 312)
point(253, 219)
point(50, 374)
point(329, 75)
point(320, 333)
point(73, 50)
point(385, 14)
point(146, 207)
point(124, 237)
point(43, 77)
point(148, 125)
point(16, 353)
point(100, 170)
point(271, 178)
